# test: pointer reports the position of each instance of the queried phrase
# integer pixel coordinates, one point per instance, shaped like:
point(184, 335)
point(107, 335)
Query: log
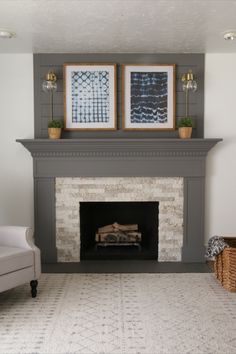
point(105, 229)
point(117, 227)
point(128, 227)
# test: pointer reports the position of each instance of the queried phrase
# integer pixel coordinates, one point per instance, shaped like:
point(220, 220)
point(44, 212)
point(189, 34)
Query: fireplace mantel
point(118, 147)
point(120, 158)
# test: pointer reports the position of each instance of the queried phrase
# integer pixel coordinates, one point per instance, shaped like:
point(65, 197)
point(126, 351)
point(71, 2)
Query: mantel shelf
point(118, 157)
point(118, 147)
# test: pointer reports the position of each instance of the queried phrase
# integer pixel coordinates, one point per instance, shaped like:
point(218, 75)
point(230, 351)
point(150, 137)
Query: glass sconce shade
point(190, 85)
point(48, 86)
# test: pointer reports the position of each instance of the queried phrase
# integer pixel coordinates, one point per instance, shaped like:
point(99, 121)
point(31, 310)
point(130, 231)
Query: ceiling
point(86, 26)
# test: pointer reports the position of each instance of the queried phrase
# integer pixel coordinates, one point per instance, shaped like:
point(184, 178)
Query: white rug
point(119, 314)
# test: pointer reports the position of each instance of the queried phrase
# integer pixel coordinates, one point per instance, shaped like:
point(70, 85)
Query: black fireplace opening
point(119, 230)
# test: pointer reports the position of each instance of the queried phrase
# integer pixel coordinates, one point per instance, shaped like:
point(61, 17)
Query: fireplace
point(165, 170)
point(94, 215)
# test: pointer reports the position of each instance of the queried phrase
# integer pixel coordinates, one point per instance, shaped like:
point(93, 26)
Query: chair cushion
point(14, 258)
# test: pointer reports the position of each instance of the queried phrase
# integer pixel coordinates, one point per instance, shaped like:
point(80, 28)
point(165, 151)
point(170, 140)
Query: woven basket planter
point(225, 265)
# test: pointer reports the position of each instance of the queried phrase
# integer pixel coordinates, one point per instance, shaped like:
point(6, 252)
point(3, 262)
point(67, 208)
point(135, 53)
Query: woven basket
point(225, 265)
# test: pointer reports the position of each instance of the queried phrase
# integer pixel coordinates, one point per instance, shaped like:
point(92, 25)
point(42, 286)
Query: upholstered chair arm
point(22, 237)
point(17, 236)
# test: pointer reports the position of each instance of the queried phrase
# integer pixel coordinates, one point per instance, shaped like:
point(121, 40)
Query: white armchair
point(19, 258)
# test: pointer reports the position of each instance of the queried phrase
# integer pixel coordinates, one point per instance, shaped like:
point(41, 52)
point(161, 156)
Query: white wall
point(220, 121)
point(16, 118)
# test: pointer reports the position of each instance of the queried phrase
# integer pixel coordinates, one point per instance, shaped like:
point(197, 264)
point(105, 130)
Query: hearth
point(95, 215)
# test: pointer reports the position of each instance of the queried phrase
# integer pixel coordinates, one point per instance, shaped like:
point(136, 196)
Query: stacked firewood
point(117, 233)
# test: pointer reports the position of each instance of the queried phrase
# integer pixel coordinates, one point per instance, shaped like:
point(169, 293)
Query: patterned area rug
point(119, 314)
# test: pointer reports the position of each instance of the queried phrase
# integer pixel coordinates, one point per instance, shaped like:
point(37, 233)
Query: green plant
point(185, 122)
point(55, 124)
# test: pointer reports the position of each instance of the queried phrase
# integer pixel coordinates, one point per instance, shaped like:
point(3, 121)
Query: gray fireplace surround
point(120, 158)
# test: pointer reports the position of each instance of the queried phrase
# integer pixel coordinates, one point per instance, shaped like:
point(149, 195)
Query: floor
point(119, 314)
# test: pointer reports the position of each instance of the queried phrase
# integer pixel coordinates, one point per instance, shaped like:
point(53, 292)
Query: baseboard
point(126, 267)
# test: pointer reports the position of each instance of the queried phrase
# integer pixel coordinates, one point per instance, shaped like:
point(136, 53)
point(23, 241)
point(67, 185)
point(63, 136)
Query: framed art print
point(90, 96)
point(148, 97)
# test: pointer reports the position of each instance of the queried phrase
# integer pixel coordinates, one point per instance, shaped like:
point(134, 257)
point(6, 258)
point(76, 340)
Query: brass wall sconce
point(49, 85)
point(189, 85)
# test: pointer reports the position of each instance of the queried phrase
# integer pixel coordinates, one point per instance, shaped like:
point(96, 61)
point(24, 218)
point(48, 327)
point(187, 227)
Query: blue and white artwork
point(148, 97)
point(90, 96)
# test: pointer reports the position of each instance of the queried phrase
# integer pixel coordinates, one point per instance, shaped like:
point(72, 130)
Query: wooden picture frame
point(148, 97)
point(90, 96)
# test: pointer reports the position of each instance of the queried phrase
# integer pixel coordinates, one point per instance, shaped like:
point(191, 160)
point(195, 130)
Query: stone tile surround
point(167, 191)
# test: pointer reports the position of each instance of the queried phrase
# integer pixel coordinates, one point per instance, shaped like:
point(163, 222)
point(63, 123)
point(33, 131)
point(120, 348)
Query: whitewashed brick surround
point(71, 191)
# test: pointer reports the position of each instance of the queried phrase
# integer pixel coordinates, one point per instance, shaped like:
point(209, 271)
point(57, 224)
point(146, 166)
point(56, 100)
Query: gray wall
point(45, 62)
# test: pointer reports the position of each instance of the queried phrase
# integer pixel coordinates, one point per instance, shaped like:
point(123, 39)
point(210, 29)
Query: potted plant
point(54, 129)
point(185, 126)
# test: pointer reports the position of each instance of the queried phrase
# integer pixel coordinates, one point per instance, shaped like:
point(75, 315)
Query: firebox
point(119, 230)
